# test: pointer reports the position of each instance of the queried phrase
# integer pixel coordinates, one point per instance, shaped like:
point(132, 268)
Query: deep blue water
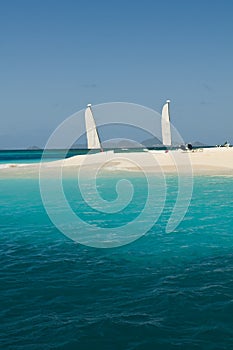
point(164, 291)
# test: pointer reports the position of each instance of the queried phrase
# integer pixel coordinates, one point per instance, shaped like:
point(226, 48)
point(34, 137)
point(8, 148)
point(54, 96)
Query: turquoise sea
point(163, 291)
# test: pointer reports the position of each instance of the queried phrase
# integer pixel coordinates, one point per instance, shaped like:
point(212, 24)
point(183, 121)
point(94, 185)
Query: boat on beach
point(182, 157)
point(172, 159)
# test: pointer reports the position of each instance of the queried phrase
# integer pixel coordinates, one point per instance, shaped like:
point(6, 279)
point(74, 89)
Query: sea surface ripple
point(164, 291)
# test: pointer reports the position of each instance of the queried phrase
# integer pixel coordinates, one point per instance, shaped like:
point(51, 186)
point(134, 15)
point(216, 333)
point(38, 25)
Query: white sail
point(166, 128)
point(93, 141)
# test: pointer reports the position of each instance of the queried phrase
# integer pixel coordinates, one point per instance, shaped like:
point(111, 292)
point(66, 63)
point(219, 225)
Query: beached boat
point(184, 157)
point(214, 160)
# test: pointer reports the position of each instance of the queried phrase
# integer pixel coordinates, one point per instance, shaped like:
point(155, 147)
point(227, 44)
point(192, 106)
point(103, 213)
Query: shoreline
point(210, 161)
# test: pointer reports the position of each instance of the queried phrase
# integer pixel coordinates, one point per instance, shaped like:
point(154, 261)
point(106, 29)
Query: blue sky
point(57, 56)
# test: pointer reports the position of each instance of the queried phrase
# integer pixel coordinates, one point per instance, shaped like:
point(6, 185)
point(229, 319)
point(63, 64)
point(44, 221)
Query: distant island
point(124, 143)
point(32, 148)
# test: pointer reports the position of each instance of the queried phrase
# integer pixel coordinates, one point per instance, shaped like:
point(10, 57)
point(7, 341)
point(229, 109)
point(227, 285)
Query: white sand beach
point(213, 161)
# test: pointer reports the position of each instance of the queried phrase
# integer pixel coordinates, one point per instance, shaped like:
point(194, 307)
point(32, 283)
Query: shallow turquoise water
point(35, 156)
point(164, 291)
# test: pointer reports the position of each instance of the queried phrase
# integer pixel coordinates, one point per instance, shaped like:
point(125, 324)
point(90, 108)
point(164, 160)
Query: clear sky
point(57, 56)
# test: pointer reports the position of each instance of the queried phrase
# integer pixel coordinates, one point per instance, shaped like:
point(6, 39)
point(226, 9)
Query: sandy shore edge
point(212, 161)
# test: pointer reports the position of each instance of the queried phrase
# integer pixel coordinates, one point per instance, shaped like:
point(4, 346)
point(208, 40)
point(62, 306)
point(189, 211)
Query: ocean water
point(34, 156)
point(163, 291)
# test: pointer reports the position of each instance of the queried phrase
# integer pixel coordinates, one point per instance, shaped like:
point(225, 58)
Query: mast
point(165, 122)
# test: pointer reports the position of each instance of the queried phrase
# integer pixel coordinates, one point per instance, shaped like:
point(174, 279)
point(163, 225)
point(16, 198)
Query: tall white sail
point(166, 128)
point(93, 141)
